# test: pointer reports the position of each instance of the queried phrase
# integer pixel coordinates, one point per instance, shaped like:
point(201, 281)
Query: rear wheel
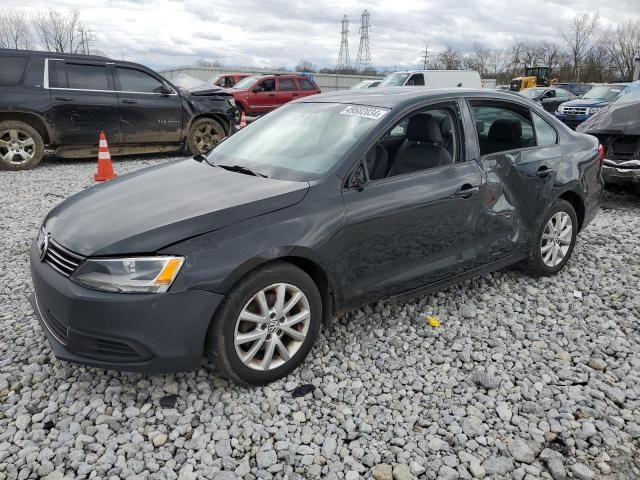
point(204, 135)
point(555, 239)
point(266, 325)
point(21, 146)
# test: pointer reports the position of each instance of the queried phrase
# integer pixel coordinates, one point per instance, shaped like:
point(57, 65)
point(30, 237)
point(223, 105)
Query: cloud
point(165, 33)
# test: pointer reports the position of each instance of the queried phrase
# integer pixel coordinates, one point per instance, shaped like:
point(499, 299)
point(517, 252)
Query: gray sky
point(162, 33)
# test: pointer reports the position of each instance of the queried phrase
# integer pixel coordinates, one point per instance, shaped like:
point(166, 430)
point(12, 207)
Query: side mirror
point(164, 89)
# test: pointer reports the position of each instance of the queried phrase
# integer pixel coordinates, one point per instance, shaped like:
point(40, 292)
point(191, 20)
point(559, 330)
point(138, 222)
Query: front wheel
point(204, 135)
point(555, 239)
point(266, 325)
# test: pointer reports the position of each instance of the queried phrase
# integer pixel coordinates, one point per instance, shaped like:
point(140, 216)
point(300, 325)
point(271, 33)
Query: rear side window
point(87, 77)
point(11, 70)
point(306, 84)
point(132, 80)
point(545, 133)
point(502, 128)
point(287, 84)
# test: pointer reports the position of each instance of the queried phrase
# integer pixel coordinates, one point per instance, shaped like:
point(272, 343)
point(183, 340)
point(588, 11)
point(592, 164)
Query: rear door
point(148, 114)
point(83, 102)
point(287, 90)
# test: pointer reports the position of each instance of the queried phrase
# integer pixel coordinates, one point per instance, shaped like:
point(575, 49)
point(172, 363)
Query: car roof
point(398, 97)
point(69, 56)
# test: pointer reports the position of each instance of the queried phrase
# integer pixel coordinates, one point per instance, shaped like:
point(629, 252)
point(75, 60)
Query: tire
point(228, 326)
point(204, 135)
point(21, 146)
point(551, 250)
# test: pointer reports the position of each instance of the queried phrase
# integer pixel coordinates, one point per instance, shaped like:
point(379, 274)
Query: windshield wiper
point(240, 169)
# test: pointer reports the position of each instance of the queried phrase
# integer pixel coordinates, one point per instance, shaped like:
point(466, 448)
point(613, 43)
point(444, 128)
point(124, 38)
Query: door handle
point(544, 171)
point(272, 94)
point(64, 99)
point(126, 100)
point(467, 191)
point(295, 94)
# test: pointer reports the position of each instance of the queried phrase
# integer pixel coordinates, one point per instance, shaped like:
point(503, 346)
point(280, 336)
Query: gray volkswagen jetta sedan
point(238, 258)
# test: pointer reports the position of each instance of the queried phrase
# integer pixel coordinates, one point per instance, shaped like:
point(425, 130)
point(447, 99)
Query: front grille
point(61, 259)
point(574, 110)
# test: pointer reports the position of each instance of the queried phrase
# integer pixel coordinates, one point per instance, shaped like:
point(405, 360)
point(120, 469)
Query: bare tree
point(14, 29)
point(578, 36)
point(450, 59)
point(305, 66)
point(62, 33)
point(623, 44)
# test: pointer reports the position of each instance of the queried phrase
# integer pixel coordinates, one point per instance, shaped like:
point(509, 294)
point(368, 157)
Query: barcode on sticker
point(365, 112)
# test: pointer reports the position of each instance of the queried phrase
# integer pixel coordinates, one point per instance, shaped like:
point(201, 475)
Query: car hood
point(586, 102)
point(617, 118)
point(205, 90)
point(155, 207)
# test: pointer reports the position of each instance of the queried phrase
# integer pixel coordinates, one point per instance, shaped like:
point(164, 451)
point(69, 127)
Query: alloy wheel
point(207, 136)
point(16, 147)
point(556, 239)
point(272, 327)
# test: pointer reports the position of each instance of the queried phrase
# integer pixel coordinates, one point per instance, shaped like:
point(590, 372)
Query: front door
point(83, 103)
point(263, 97)
point(150, 110)
point(413, 222)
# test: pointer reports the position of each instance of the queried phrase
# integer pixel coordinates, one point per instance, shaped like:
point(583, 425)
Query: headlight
point(561, 109)
point(232, 102)
point(593, 110)
point(129, 275)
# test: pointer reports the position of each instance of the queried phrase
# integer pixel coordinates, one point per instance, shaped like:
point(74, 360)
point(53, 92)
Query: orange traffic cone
point(243, 120)
point(105, 167)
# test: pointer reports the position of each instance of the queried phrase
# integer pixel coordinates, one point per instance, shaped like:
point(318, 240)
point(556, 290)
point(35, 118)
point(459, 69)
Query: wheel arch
point(577, 203)
point(30, 119)
point(300, 258)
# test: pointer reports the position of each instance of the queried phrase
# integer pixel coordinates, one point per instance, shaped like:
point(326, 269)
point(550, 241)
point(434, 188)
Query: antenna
point(344, 62)
point(363, 60)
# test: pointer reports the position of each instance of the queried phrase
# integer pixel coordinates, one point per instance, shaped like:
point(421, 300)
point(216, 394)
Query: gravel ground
point(523, 379)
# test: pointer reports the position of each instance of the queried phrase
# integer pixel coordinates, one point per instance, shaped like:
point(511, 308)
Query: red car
point(227, 80)
point(263, 93)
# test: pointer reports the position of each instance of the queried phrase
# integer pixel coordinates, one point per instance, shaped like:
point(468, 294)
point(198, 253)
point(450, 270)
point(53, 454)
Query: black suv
point(61, 102)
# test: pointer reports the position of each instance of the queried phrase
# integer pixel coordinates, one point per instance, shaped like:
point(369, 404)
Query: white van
point(433, 78)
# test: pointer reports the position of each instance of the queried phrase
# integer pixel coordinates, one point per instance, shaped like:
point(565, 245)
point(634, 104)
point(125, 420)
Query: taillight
point(601, 152)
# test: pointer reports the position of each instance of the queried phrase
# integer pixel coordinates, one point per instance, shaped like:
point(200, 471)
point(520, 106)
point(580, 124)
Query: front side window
point(545, 133)
point(287, 84)
point(300, 141)
point(421, 141)
point(11, 70)
point(502, 128)
point(416, 80)
point(86, 77)
point(132, 80)
point(268, 85)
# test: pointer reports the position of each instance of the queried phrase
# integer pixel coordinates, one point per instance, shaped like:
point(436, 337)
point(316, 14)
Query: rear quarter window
point(11, 70)
point(306, 84)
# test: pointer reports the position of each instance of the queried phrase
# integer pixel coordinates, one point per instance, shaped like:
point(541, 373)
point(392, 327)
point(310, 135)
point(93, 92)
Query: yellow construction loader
point(533, 77)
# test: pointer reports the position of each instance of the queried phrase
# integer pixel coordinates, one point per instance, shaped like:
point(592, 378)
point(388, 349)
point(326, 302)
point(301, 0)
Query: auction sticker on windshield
point(366, 112)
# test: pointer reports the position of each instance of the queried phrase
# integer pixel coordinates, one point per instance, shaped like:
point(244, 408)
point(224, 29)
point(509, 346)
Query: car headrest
point(480, 126)
point(446, 127)
point(423, 128)
point(505, 130)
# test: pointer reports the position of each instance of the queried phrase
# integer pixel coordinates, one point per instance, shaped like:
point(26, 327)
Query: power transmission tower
point(344, 61)
point(363, 60)
point(425, 57)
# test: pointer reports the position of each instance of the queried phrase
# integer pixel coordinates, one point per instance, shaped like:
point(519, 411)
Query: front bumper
point(571, 121)
point(621, 172)
point(153, 333)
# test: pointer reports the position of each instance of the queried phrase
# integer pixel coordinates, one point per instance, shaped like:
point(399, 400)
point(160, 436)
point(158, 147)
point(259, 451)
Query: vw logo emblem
point(43, 244)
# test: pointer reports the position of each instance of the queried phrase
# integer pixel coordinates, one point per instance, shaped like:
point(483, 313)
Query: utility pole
point(363, 60)
point(344, 62)
point(425, 57)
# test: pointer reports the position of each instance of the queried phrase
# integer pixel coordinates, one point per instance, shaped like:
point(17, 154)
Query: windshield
point(532, 92)
point(302, 141)
point(631, 93)
point(605, 92)
point(394, 80)
point(214, 80)
point(245, 83)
